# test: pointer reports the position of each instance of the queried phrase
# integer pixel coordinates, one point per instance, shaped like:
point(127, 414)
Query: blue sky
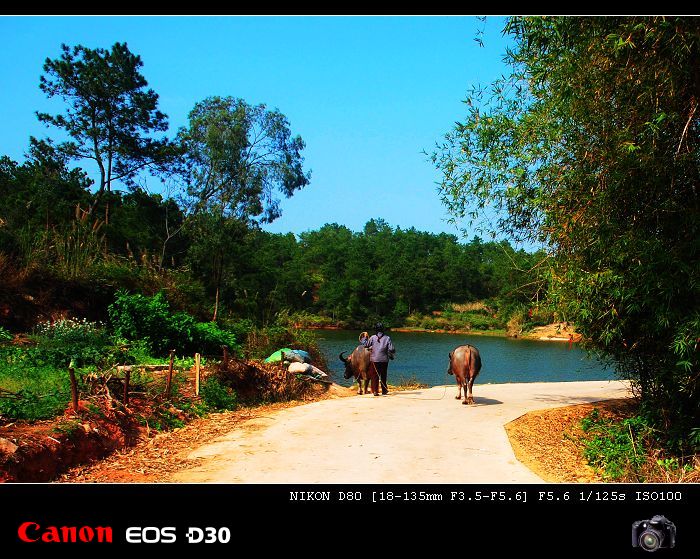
point(368, 95)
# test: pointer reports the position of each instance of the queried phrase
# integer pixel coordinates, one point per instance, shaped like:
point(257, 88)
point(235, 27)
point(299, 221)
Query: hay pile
point(255, 381)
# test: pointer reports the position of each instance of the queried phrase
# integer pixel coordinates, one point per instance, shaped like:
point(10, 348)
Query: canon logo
point(32, 532)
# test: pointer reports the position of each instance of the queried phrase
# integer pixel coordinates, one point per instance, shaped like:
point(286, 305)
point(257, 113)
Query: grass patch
point(452, 320)
point(217, 396)
point(616, 449)
point(28, 390)
point(628, 450)
point(407, 383)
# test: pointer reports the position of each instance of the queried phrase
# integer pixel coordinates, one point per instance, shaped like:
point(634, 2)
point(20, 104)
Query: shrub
point(239, 328)
point(5, 335)
point(139, 317)
point(476, 306)
point(616, 448)
point(217, 396)
point(480, 321)
point(32, 387)
point(28, 405)
point(429, 324)
point(261, 382)
point(135, 317)
point(210, 337)
point(515, 324)
point(413, 320)
point(60, 342)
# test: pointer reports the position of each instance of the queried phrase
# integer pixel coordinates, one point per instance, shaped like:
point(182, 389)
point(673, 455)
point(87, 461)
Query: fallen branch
point(130, 368)
point(309, 377)
point(685, 130)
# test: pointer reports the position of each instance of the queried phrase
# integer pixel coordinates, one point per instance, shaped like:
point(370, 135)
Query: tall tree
point(592, 146)
point(111, 116)
point(238, 159)
point(39, 195)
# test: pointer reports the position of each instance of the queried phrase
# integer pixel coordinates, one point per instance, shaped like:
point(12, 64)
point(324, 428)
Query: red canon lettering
point(22, 531)
point(31, 532)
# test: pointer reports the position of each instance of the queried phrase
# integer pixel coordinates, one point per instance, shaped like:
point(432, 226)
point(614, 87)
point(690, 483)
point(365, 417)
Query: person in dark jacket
point(382, 349)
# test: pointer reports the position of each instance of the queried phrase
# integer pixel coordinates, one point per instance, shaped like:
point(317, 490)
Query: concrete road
point(420, 436)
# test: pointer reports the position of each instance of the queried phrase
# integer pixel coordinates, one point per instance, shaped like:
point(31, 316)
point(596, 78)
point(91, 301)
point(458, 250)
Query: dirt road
point(420, 436)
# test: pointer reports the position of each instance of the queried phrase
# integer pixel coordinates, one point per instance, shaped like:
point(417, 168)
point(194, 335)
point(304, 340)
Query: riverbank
point(408, 329)
point(554, 332)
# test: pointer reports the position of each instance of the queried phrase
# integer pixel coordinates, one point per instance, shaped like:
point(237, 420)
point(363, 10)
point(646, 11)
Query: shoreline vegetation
point(532, 335)
point(486, 317)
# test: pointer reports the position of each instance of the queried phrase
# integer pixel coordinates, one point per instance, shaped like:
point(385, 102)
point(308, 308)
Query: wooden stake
point(225, 348)
point(169, 382)
point(127, 378)
point(197, 359)
point(73, 388)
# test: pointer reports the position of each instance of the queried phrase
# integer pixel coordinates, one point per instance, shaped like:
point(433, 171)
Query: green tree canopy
point(238, 159)
point(111, 117)
point(591, 146)
point(39, 195)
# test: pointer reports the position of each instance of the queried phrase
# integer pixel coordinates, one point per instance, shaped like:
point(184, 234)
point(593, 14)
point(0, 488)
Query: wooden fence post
point(169, 382)
point(127, 378)
point(73, 388)
point(197, 359)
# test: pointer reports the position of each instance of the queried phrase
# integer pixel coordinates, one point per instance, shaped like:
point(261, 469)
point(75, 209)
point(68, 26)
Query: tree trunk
point(216, 303)
point(219, 273)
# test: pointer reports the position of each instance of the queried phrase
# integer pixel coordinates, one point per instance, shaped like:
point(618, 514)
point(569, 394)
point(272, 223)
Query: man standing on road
point(382, 350)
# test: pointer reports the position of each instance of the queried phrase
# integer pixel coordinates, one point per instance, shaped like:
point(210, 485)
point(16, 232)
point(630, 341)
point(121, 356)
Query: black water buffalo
point(465, 364)
point(358, 365)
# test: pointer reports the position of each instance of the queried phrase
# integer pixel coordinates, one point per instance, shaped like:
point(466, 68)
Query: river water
point(423, 355)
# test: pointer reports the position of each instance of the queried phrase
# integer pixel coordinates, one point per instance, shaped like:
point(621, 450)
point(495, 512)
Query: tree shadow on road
point(479, 401)
point(416, 395)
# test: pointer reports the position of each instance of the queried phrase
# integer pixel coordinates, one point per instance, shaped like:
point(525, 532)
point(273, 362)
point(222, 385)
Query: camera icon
point(657, 533)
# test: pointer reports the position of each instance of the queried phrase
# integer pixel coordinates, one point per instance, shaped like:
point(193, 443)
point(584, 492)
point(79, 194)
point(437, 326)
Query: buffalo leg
point(470, 399)
point(359, 385)
point(366, 385)
point(459, 390)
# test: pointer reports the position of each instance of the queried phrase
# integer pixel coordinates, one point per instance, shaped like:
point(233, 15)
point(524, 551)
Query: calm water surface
point(424, 355)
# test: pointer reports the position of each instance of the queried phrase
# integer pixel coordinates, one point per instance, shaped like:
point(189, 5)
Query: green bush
point(429, 324)
point(31, 406)
point(135, 317)
point(481, 321)
point(217, 396)
point(239, 328)
point(210, 338)
point(5, 335)
point(139, 317)
point(29, 390)
point(413, 320)
point(617, 449)
point(82, 342)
